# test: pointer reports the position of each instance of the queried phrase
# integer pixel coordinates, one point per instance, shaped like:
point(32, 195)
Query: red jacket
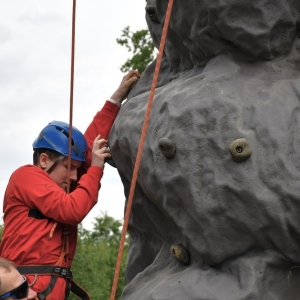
point(33, 203)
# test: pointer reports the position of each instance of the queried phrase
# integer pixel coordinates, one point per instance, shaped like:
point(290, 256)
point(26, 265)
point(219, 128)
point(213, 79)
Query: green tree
point(141, 45)
point(1, 231)
point(95, 259)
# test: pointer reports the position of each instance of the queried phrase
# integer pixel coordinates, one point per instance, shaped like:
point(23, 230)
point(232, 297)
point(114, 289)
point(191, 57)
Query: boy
point(40, 218)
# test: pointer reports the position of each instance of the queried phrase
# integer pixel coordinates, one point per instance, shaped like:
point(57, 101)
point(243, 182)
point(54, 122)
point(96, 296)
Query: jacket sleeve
point(36, 188)
point(101, 124)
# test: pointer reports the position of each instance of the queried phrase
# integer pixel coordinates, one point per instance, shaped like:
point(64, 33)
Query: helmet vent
point(66, 133)
point(75, 149)
point(41, 135)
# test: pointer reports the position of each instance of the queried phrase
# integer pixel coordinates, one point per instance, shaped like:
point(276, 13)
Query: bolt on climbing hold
point(240, 150)
point(180, 254)
point(167, 147)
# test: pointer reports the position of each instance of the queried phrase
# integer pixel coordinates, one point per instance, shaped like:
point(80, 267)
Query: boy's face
point(11, 280)
point(60, 172)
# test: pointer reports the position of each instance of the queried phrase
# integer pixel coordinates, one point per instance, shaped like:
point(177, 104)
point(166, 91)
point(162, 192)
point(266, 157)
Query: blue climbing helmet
point(55, 136)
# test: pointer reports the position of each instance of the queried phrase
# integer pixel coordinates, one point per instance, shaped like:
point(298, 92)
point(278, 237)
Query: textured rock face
point(220, 172)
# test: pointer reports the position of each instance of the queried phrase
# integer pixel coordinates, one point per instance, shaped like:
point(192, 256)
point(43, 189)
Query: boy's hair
point(53, 155)
point(7, 266)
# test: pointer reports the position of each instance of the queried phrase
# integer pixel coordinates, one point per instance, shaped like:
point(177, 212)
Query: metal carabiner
point(34, 281)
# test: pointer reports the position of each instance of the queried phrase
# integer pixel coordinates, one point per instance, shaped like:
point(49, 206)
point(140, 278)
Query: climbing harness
point(55, 272)
point(140, 149)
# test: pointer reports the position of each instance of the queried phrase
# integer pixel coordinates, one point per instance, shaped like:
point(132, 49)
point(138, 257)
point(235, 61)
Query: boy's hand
point(127, 82)
point(99, 153)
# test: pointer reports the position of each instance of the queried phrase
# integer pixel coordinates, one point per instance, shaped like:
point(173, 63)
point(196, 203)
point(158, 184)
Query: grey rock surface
point(230, 74)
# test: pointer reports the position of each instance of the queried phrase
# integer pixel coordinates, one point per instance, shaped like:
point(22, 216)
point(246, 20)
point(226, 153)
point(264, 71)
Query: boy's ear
point(44, 160)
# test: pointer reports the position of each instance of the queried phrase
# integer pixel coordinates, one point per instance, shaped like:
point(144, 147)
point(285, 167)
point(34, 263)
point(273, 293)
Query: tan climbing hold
point(167, 147)
point(240, 150)
point(180, 254)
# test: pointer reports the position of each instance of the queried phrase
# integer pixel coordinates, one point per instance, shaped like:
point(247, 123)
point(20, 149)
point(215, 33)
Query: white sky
point(35, 64)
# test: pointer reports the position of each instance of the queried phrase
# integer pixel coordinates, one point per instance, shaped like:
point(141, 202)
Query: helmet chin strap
point(60, 158)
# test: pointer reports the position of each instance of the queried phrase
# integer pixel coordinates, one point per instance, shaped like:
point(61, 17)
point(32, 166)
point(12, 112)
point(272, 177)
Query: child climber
point(40, 217)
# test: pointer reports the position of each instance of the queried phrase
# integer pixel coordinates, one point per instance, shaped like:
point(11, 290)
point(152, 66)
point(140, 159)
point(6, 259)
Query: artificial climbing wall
point(216, 209)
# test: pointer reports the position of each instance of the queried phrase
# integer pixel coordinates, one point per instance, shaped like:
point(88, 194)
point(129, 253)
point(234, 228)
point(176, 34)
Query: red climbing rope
point(140, 149)
point(71, 94)
point(65, 238)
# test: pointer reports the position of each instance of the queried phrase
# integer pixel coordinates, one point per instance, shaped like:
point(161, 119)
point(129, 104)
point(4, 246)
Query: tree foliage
point(95, 260)
point(141, 45)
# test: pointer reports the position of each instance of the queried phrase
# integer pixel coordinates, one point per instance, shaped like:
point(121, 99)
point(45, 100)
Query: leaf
point(141, 45)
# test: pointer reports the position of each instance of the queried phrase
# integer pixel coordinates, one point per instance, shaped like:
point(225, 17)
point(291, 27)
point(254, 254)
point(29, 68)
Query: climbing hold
point(180, 254)
point(167, 147)
point(110, 161)
point(240, 150)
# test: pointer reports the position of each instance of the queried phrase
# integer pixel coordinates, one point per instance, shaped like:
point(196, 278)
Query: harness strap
point(55, 272)
point(42, 295)
point(46, 270)
point(79, 291)
point(59, 159)
point(68, 288)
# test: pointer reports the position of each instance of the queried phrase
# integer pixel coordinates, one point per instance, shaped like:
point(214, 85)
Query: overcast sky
point(35, 64)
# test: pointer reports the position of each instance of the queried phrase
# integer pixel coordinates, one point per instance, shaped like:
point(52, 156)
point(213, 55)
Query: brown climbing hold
point(240, 150)
point(167, 147)
point(180, 254)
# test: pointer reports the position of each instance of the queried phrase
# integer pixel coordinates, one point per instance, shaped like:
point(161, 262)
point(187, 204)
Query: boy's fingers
point(97, 138)
point(98, 142)
point(105, 150)
point(132, 73)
